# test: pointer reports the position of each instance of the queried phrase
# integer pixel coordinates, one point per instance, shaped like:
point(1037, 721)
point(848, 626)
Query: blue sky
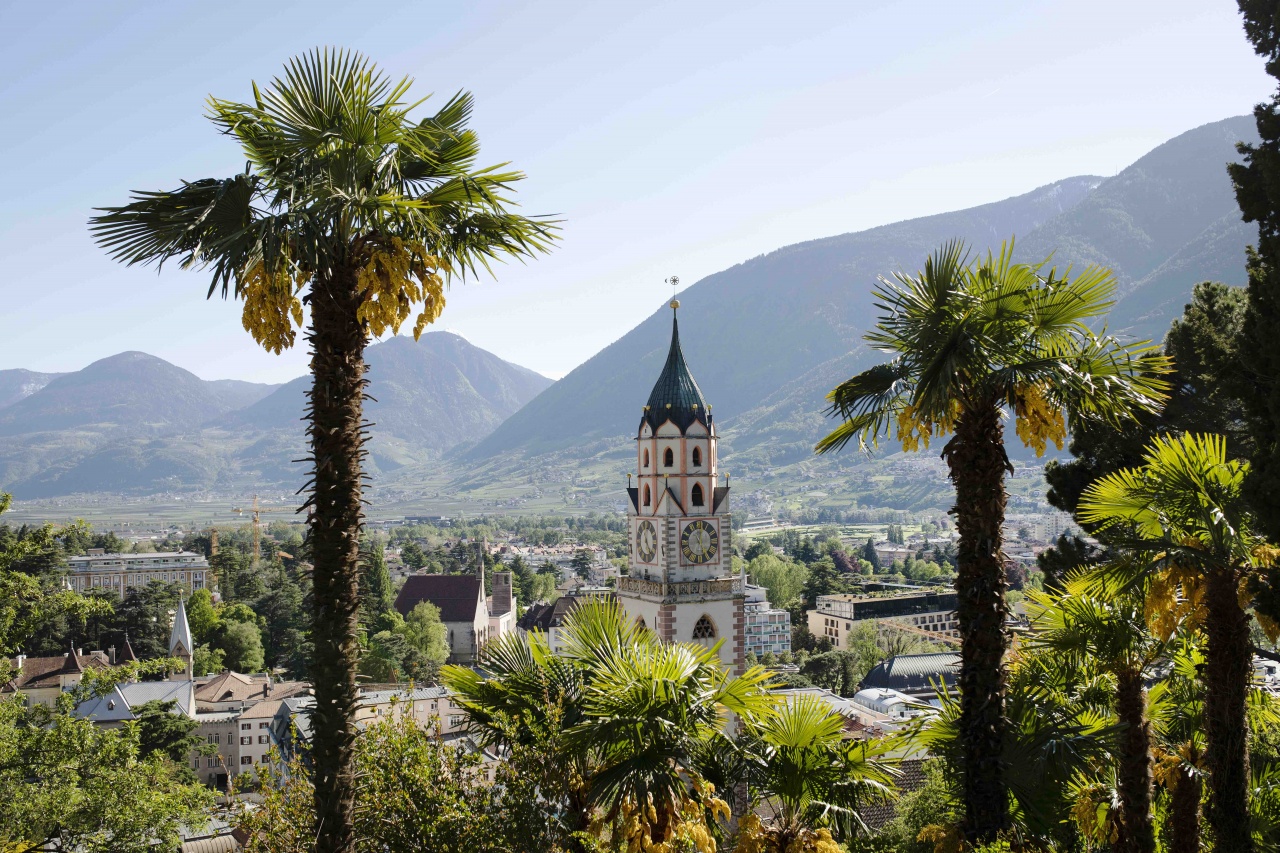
point(674, 138)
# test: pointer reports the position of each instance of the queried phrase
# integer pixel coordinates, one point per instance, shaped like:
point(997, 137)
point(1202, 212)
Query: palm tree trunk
point(337, 366)
point(1227, 673)
point(1184, 813)
point(977, 462)
point(1133, 774)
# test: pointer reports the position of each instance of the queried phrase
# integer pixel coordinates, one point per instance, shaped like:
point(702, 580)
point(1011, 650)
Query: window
point(246, 759)
point(703, 629)
point(195, 765)
point(646, 457)
point(263, 725)
point(215, 738)
point(262, 739)
point(456, 720)
point(211, 762)
point(244, 727)
point(646, 495)
point(668, 457)
point(697, 456)
point(246, 741)
point(696, 498)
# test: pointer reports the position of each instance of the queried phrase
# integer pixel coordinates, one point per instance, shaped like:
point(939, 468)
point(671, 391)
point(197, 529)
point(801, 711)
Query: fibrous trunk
point(1184, 813)
point(977, 462)
point(1134, 776)
point(337, 366)
point(1227, 673)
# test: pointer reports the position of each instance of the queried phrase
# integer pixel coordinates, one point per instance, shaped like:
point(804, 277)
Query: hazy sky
point(674, 138)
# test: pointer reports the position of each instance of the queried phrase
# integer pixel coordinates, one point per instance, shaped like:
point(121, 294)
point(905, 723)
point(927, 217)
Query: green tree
point(376, 594)
point(426, 633)
point(1184, 510)
point(869, 555)
point(1095, 621)
point(1256, 182)
point(202, 616)
point(581, 562)
point(971, 341)
point(348, 203)
point(782, 579)
point(241, 645)
point(165, 731)
point(810, 776)
point(412, 556)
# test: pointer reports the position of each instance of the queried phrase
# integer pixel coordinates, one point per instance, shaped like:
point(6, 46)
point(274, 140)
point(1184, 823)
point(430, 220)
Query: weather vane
point(674, 281)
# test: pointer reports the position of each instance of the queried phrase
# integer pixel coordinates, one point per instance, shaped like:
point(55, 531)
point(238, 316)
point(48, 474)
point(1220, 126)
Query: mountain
point(768, 338)
point(18, 384)
point(135, 423)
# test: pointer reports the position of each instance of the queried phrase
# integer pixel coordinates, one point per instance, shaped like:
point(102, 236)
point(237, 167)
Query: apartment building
point(925, 613)
point(122, 572)
point(766, 628)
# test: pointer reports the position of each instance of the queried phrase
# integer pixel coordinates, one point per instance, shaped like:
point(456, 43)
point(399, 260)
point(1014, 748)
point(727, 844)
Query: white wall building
point(765, 629)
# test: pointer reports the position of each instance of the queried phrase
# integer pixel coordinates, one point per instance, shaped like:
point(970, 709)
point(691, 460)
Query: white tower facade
point(681, 583)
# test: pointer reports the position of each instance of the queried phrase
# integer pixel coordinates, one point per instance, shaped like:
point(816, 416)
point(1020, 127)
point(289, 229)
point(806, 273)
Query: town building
point(468, 616)
point(920, 677)
point(41, 680)
point(928, 614)
point(765, 629)
point(123, 572)
point(681, 582)
point(549, 618)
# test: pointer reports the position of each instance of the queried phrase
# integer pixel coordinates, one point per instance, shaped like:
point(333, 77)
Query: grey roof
point(675, 396)
point(180, 636)
point(417, 694)
point(119, 703)
point(914, 672)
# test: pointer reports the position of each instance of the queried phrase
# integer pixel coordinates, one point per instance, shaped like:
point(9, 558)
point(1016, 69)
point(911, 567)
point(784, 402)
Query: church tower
point(180, 644)
point(681, 583)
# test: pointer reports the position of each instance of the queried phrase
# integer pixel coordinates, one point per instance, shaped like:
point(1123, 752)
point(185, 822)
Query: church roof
point(676, 396)
point(181, 634)
point(457, 596)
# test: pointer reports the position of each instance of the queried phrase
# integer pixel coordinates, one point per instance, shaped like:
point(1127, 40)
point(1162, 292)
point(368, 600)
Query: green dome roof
point(675, 396)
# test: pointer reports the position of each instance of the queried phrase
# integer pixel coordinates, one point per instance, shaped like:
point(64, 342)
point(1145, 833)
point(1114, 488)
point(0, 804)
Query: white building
point(469, 617)
point(766, 629)
point(681, 582)
point(926, 614)
point(122, 572)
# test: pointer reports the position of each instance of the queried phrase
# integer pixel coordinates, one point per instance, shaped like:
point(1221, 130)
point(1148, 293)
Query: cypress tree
point(1257, 187)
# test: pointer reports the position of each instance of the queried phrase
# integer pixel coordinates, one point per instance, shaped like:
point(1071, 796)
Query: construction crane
point(257, 509)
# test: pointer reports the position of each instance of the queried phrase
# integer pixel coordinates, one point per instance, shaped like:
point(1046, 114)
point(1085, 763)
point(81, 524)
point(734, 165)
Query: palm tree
point(349, 206)
point(1094, 621)
point(812, 776)
point(1183, 510)
point(635, 716)
point(971, 341)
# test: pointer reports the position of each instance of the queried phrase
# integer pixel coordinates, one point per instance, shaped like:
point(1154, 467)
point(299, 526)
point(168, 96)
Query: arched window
point(669, 457)
point(646, 495)
point(703, 629)
point(640, 623)
point(696, 497)
point(646, 457)
point(697, 456)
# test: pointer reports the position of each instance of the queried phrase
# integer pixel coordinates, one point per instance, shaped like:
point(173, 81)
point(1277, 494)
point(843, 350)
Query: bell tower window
point(696, 497)
point(646, 495)
point(668, 458)
point(703, 629)
point(646, 457)
point(697, 456)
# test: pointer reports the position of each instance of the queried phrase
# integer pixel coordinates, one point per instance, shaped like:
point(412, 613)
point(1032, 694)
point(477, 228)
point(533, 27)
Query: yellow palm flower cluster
point(687, 828)
point(754, 837)
point(1037, 420)
point(1176, 596)
point(1093, 815)
point(398, 275)
point(914, 428)
point(945, 839)
point(272, 309)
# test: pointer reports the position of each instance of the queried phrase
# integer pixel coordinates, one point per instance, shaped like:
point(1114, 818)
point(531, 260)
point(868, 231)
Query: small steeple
point(180, 644)
point(71, 666)
point(126, 654)
point(676, 397)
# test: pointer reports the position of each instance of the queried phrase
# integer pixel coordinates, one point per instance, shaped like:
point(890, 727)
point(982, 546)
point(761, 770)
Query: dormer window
point(697, 457)
point(669, 457)
point(696, 497)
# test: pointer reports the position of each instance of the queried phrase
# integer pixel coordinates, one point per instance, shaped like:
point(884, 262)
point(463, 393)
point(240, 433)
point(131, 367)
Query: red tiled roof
point(43, 672)
point(457, 596)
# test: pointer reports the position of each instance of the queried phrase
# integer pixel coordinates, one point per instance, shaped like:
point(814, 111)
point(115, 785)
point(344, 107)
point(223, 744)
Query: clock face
point(646, 541)
point(699, 541)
